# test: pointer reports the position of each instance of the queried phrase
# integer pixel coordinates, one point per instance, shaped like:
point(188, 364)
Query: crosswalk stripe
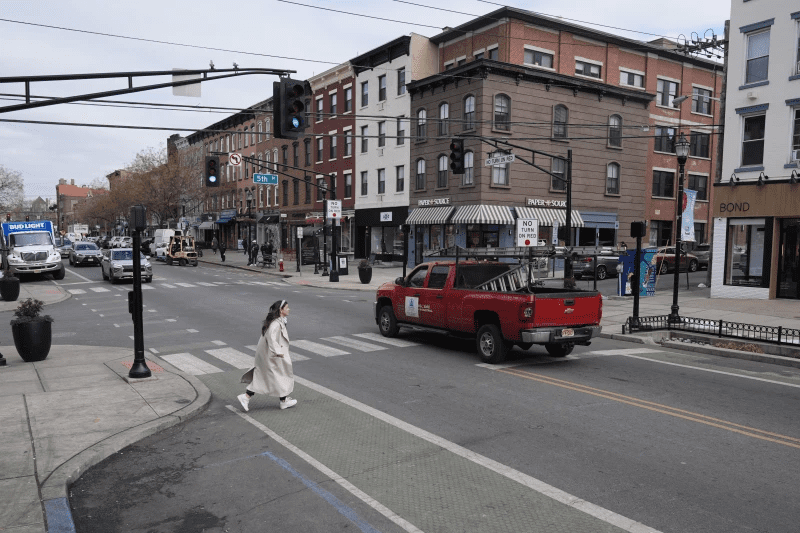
point(77, 291)
point(219, 343)
point(146, 287)
point(185, 285)
point(355, 344)
point(205, 284)
point(190, 364)
point(167, 285)
point(98, 289)
point(293, 355)
point(321, 349)
point(624, 351)
point(233, 357)
point(380, 338)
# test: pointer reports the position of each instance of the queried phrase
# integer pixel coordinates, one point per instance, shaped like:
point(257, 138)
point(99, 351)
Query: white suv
point(121, 242)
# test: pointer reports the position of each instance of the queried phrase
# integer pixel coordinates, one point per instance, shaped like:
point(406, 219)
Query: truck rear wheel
point(559, 350)
point(387, 322)
point(491, 346)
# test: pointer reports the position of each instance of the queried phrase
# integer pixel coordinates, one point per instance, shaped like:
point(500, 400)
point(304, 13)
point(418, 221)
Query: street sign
point(265, 179)
point(235, 159)
point(299, 232)
point(555, 233)
point(527, 232)
point(334, 209)
point(500, 160)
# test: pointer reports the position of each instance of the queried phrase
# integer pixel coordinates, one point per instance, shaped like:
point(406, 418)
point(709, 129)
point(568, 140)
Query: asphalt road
point(676, 441)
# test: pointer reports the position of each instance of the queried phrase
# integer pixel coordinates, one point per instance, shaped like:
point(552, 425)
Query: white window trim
point(347, 128)
point(460, 58)
point(492, 47)
point(349, 85)
point(590, 61)
point(333, 92)
point(662, 169)
point(706, 87)
point(476, 52)
point(345, 174)
point(665, 78)
point(449, 63)
point(631, 71)
point(539, 49)
point(542, 50)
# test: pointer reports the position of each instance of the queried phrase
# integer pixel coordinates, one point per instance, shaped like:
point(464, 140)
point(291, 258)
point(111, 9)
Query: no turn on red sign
point(334, 209)
point(527, 232)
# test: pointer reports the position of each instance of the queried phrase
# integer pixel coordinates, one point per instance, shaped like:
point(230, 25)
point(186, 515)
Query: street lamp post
point(249, 216)
point(682, 151)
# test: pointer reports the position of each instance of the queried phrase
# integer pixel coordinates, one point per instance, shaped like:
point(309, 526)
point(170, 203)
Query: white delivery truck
point(31, 248)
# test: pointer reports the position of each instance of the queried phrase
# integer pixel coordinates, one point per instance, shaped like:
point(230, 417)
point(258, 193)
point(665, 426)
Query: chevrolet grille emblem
point(569, 310)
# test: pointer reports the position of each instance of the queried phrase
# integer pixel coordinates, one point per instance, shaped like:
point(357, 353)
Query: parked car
point(702, 252)
point(64, 246)
point(160, 251)
point(117, 264)
point(606, 265)
point(124, 242)
point(84, 253)
point(665, 260)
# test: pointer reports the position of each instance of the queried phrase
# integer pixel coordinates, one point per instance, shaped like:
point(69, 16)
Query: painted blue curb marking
point(343, 509)
point(59, 517)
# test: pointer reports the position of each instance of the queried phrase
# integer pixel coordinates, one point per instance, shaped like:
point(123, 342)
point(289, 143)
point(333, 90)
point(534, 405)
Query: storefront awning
point(483, 214)
point(430, 215)
point(208, 224)
point(547, 216)
point(269, 219)
point(224, 219)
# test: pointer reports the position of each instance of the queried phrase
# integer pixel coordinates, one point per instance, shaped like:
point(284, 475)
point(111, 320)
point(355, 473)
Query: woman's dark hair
point(274, 312)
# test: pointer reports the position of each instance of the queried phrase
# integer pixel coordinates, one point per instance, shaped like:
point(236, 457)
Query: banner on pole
point(687, 222)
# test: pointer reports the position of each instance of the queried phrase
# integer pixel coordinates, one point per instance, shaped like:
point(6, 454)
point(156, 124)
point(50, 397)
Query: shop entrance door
point(789, 260)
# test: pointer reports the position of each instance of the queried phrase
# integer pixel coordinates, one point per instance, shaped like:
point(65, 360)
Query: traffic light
point(8, 217)
point(457, 156)
point(289, 115)
point(212, 171)
point(27, 218)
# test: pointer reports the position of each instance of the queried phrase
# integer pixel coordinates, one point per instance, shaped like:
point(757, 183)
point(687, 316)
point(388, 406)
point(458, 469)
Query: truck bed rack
point(510, 281)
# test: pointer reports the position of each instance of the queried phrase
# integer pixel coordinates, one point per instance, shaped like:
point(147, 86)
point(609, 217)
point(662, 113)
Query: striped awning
point(430, 215)
point(547, 216)
point(483, 214)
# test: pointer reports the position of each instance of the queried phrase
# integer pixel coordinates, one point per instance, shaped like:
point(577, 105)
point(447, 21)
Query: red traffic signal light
point(8, 217)
point(457, 156)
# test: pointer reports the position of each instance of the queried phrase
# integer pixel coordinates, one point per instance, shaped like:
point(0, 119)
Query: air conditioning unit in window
point(797, 68)
point(380, 106)
point(380, 151)
point(795, 155)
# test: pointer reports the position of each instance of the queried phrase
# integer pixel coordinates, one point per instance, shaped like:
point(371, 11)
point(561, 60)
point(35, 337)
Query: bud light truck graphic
point(30, 248)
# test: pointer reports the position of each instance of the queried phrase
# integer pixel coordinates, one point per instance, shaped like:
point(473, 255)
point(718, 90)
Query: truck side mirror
point(400, 281)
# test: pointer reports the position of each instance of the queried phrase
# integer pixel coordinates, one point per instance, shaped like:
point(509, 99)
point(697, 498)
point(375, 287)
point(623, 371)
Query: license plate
point(37, 271)
point(567, 332)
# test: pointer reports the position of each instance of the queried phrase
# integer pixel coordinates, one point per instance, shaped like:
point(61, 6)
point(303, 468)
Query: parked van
point(163, 236)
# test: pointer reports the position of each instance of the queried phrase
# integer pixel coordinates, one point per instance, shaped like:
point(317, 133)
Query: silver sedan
point(117, 264)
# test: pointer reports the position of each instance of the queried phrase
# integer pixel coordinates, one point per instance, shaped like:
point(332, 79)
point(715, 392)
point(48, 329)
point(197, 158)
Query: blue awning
point(224, 220)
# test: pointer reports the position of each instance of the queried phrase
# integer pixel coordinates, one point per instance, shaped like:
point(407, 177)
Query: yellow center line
point(659, 408)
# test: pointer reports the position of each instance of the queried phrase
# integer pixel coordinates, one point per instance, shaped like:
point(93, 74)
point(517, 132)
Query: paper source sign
point(527, 232)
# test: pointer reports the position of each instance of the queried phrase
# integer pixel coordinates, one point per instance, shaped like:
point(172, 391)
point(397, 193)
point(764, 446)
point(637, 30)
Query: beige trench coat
point(272, 375)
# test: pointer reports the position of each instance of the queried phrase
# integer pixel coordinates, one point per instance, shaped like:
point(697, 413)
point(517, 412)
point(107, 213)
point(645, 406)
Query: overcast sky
point(252, 33)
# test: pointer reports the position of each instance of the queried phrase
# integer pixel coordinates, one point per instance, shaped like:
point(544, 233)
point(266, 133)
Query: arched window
point(422, 122)
point(245, 138)
point(560, 118)
point(268, 129)
point(253, 135)
point(612, 178)
point(469, 112)
point(444, 119)
point(441, 177)
point(615, 131)
point(260, 131)
point(420, 180)
point(502, 112)
point(500, 172)
point(275, 162)
point(239, 134)
point(469, 169)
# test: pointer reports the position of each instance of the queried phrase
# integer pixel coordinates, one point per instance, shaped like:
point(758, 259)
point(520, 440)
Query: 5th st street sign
point(265, 179)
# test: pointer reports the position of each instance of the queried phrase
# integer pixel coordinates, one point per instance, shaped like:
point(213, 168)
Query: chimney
point(72, 182)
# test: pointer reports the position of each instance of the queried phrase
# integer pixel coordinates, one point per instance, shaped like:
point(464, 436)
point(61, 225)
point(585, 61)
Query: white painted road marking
point(167, 285)
point(185, 285)
point(321, 349)
point(219, 343)
point(77, 291)
point(377, 337)
point(624, 351)
point(354, 344)
point(293, 355)
point(190, 364)
point(98, 289)
point(233, 357)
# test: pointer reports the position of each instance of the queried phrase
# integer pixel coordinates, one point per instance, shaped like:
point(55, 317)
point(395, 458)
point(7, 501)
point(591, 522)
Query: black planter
point(32, 339)
point(365, 274)
point(9, 288)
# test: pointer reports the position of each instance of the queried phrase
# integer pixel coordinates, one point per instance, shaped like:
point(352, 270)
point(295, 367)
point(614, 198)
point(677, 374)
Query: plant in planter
point(364, 271)
point(32, 331)
point(9, 285)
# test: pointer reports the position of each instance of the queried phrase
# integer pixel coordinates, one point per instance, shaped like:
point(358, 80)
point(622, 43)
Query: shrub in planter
point(364, 271)
point(9, 286)
point(32, 331)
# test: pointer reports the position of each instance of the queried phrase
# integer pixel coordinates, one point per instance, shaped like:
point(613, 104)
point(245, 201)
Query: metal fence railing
point(720, 328)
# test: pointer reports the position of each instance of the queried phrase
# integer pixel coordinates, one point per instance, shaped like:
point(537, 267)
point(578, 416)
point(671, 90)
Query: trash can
point(343, 265)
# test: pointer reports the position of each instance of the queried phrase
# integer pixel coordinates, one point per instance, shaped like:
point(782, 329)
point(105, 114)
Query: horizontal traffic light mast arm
point(264, 164)
point(130, 75)
point(495, 142)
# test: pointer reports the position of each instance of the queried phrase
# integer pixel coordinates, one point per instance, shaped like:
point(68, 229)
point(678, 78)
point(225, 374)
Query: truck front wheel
point(491, 346)
point(559, 350)
point(59, 274)
point(387, 322)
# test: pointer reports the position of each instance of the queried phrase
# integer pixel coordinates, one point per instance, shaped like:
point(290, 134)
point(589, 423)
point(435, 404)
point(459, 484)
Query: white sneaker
point(245, 401)
point(289, 402)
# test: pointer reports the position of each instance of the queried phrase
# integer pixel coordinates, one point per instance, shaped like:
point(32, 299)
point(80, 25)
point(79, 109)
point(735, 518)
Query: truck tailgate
point(567, 309)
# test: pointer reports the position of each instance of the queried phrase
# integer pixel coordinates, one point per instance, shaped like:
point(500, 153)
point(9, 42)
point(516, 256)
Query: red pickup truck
point(493, 301)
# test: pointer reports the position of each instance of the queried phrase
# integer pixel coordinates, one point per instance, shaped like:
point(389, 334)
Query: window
point(494, 53)
point(285, 153)
point(796, 135)
point(615, 131)
point(757, 57)
point(612, 178)
point(401, 81)
point(502, 112)
point(461, 61)
point(295, 192)
point(333, 147)
point(700, 184)
point(320, 147)
point(631, 78)
point(660, 232)
point(469, 112)
point(557, 182)
point(308, 189)
point(333, 103)
point(665, 139)
point(744, 252)
point(701, 101)
point(319, 109)
point(541, 59)
point(478, 56)
point(438, 277)
point(348, 143)
point(441, 177)
point(382, 88)
point(499, 172)
point(420, 182)
point(307, 144)
point(560, 118)
point(268, 127)
point(364, 139)
point(401, 131)
point(448, 65)
point(469, 169)
point(698, 144)
point(320, 187)
point(753, 140)
point(285, 192)
point(348, 99)
point(295, 157)
point(364, 181)
point(663, 183)
point(400, 181)
point(381, 133)
point(239, 134)
point(275, 159)
point(585, 68)
point(253, 135)
point(333, 185)
point(364, 93)
point(348, 185)
point(422, 119)
point(246, 138)
point(260, 131)
point(444, 119)
point(666, 91)
point(381, 181)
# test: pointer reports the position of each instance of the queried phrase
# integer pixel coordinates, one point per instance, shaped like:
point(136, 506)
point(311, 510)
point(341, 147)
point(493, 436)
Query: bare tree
point(11, 188)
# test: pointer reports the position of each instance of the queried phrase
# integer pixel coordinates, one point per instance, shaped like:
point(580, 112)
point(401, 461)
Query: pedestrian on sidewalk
point(214, 245)
point(222, 249)
point(253, 254)
point(273, 374)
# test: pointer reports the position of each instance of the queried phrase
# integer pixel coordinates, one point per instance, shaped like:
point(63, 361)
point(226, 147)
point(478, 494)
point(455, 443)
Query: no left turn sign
point(235, 159)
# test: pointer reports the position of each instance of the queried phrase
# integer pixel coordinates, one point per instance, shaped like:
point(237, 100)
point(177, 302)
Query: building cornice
point(385, 53)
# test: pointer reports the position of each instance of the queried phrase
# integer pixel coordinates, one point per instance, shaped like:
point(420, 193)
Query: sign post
point(528, 237)
point(299, 246)
point(333, 211)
